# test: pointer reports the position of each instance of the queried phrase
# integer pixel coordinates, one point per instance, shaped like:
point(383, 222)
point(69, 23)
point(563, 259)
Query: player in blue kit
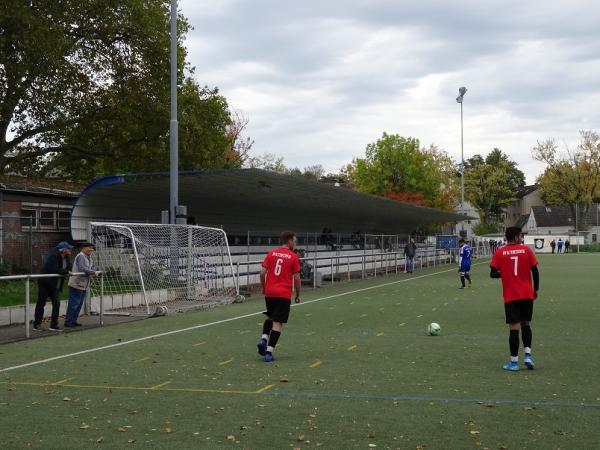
point(464, 261)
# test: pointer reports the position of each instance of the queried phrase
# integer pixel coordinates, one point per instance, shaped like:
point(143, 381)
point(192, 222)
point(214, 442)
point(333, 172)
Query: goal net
point(148, 267)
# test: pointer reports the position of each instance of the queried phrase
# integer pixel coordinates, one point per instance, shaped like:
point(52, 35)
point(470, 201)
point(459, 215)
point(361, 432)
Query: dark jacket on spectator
point(55, 263)
point(410, 249)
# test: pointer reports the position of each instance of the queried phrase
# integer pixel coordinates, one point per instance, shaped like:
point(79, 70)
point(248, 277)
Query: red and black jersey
point(514, 262)
point(281, 264)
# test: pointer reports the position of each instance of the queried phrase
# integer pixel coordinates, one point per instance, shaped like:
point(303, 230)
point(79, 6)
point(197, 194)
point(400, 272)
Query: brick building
point(35, 215)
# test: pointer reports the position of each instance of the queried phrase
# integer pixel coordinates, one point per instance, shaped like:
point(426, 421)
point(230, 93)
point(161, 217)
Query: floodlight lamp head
point(462, 91)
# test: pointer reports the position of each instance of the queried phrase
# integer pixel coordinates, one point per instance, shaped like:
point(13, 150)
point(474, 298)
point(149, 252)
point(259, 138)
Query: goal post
point(177, 267)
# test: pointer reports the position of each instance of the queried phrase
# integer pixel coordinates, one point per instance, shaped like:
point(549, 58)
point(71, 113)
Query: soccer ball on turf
point(434, 329)
point(161, 310)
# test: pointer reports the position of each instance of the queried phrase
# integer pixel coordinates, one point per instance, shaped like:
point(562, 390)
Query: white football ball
point(434, 329)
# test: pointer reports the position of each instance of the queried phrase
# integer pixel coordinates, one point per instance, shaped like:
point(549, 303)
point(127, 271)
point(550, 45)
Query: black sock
point(462, 280)
point(468, 277)
point(526, 335)
point(273, 338)
point(267, 326)
point(513, 343)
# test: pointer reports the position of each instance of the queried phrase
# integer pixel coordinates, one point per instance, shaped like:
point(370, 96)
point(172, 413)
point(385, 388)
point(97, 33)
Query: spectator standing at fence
point(280, 272)
point(410, 250)
point(559, 245)
point(78, 284)
point(57, 262)
point(567, 245)
point(553, 245)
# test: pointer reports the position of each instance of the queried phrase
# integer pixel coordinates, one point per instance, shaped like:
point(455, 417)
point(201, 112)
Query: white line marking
point(218, 322)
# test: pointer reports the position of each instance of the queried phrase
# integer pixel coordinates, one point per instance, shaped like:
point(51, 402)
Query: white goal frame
point(152, 268)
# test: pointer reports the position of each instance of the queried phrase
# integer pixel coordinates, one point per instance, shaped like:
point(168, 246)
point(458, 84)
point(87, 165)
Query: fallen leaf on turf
point(100, 440)
point(284, 380)
point(301, 438)
point(121, 429)
point(231, 437)
point(489, 405)
point(130, 441)
point(474, 432)
point(134, 412)
point(529, 408)
point(66, 399)
point(372, 445)
point(371, 435)
point(168, 429)
point(84, 426)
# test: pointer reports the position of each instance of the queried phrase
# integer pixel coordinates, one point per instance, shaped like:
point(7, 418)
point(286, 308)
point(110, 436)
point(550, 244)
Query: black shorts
point(518, 311)
point(278, 309)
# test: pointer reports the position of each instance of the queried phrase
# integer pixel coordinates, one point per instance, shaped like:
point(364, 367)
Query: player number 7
point(516, 258)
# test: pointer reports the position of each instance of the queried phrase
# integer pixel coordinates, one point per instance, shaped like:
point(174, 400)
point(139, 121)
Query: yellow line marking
point(62, 381)
point(200, 343)
point(352, 347)
point(222, 363)
point(137, 388)
point(340, 323)
point(380, 334)
point(142, 359)
point(158, 386)
point(317, 363)
point(266, 388)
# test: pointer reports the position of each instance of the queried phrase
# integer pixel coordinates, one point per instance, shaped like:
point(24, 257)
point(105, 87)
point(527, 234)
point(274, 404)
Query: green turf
point(376, 381)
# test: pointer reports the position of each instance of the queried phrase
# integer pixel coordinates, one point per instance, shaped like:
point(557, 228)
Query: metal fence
point(27, 280)
point(328, 266)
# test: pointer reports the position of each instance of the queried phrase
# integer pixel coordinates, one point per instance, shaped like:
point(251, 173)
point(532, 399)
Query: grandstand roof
point(249, 199)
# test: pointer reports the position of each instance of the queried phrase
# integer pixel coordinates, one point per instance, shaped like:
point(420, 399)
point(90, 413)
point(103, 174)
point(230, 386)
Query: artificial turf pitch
point(354, 369)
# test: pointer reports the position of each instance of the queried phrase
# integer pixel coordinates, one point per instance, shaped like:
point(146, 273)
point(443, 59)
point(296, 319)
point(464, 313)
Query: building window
point(47, 219)
point(28, 217)
point(64, 220)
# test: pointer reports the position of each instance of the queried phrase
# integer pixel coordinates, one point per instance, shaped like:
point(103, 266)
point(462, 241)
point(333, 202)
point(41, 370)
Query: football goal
point(150, 268)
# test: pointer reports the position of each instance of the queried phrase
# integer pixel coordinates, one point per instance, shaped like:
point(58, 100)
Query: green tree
point(491, 184)
point(398, 168)
point(572, 178)
point(84, 90)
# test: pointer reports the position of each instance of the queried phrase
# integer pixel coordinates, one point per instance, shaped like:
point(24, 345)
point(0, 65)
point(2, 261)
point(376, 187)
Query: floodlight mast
point(173, 125)
point(461, 94)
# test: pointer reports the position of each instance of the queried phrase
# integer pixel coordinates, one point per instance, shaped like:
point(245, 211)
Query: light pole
point(173, 126)
point(461, 94)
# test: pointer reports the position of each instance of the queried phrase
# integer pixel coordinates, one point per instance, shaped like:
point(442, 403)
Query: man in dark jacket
point(57, 262)
point(410, 250)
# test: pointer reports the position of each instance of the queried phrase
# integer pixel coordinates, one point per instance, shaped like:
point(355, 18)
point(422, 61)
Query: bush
point(591, 248)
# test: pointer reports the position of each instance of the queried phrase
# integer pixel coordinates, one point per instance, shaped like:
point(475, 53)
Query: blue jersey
point(466, 251)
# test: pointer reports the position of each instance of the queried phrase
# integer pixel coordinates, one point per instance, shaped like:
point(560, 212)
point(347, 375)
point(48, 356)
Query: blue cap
point(64, 244)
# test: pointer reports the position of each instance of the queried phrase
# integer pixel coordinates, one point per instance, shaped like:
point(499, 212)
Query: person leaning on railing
point(57, 262)
point(78, 284)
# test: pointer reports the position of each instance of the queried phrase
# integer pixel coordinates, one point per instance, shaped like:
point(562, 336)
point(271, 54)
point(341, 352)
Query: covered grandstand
point(239, 200)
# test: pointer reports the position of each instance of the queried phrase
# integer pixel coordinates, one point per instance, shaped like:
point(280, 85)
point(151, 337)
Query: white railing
point(362, 265)
point(27, 278)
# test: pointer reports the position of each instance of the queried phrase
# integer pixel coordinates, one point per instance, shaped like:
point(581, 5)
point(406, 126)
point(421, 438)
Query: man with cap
point(78, 284)
point(57, 262)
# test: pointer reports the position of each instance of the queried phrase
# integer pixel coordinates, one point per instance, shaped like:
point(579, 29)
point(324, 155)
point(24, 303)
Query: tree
point(396, 167)
point(84, 90)
point(491, 184)
point(267, 161)
point(572, 178)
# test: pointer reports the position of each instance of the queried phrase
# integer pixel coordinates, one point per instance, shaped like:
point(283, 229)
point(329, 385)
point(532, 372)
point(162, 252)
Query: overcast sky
point(319, 80)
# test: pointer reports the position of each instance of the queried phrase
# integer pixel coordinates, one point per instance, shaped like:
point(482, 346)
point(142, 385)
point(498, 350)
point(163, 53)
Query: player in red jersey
point(280, 272)
point(515, 264)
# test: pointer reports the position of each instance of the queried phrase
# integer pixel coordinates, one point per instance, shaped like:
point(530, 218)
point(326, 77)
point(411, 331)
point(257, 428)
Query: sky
point(319, 80)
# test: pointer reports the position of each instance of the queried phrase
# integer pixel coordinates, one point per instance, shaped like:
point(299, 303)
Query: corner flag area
point(355, 368)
